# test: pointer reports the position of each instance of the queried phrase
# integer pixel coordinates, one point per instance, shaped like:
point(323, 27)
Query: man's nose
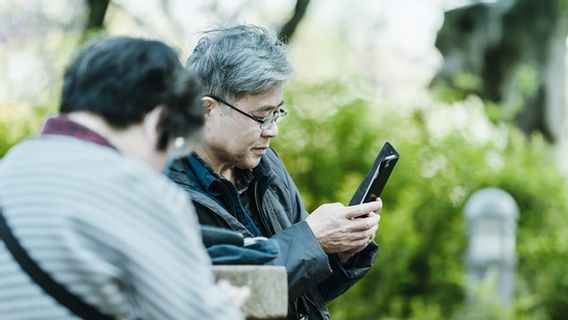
point(271, 131)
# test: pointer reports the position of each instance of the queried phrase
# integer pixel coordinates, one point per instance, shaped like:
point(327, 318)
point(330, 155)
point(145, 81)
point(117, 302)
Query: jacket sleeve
point(305, 261)
point(307, 264)
point(345, 276)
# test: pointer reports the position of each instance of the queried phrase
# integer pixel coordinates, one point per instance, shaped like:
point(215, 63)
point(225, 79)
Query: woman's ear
point(150, 124)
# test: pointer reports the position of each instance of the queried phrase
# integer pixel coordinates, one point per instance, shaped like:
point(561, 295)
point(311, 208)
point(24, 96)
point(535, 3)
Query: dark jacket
point(312, 274)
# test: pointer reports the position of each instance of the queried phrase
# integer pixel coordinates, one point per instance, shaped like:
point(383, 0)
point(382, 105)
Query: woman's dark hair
point(121, 79)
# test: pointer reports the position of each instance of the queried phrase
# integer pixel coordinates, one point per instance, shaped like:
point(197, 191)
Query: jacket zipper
point(261, 214)
point(263, 217)
point(233, 206)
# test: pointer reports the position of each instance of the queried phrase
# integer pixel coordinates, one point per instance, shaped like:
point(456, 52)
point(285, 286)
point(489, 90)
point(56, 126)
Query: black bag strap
point(77, 306)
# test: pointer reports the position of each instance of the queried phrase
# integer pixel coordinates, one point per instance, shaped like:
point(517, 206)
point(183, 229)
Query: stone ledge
point(268, 284)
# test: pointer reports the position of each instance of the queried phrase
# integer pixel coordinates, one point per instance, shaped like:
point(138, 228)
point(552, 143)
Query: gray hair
point(240, 60)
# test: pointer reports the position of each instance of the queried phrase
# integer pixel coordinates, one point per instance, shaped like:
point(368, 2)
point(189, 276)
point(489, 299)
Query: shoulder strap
point(77, 306)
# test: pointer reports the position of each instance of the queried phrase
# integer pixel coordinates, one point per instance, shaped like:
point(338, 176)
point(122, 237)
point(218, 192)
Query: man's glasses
point(265, 123)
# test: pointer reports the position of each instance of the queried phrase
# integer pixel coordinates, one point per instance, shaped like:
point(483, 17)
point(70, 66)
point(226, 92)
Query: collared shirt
point(226, 193)
point(62, 125)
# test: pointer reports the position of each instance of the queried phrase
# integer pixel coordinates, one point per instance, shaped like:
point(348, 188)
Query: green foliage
point(524, 87)
point(328, 143)
point(17, 121)
point(459, 86)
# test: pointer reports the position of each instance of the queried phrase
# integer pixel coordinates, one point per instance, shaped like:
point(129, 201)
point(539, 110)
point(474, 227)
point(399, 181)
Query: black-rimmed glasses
point(265, 123)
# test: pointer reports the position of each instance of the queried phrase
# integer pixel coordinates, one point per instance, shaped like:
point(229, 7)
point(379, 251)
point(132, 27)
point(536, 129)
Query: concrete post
point(268, 284)
point(492, 216)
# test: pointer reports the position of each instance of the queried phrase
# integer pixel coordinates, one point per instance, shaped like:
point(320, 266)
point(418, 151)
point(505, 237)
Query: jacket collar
point(204, 174)
point(207, 178)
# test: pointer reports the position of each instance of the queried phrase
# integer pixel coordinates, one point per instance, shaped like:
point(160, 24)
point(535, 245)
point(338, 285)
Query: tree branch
point(289, 28)
point(96, 18)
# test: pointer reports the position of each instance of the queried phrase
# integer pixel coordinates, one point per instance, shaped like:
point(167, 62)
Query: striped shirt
point(110, 229)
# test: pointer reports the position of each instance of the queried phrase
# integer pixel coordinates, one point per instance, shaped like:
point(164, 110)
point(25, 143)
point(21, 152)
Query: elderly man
point(90, 227)
point(238, 182)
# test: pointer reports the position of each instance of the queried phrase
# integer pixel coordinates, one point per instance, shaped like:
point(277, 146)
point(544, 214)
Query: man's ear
point(150, 124)
point(208, 105)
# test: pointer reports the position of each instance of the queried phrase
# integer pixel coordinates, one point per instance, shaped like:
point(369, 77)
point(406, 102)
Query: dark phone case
point(373, 184)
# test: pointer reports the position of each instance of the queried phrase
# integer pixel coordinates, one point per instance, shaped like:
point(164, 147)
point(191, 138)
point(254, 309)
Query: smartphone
point(377, 177)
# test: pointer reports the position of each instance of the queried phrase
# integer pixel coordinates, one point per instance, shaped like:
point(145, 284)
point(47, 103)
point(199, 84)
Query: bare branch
point(289, 28)
point(97, 12)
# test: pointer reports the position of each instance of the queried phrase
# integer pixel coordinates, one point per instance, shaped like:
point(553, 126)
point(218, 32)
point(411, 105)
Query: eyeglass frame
point(265, 122)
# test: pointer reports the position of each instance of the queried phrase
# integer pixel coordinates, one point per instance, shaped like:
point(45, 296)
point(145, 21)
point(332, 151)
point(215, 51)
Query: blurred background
point(471, 93)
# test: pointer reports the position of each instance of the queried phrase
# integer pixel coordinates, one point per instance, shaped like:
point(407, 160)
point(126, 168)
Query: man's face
point(233, 139)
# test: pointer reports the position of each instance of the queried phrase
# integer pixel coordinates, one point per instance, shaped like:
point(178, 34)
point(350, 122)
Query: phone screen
point(374, 183)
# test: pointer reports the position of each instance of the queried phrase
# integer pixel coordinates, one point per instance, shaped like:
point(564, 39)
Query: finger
point(334, 205)
point(368, 214)
point(370, 233)
point(362, 209)
point(374, 230)
point(363, 224)
point(376, 227)
point(358, 237)
point(367, 236)
point(361, 244)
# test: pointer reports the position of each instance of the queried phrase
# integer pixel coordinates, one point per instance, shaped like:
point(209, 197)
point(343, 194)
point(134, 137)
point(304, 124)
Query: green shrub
point(330, 139)
point(447, 153)
point(18, 121)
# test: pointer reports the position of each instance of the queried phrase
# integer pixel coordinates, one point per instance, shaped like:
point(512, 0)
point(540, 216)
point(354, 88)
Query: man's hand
point(345, 229)
point(237, 295)
point(344, 257)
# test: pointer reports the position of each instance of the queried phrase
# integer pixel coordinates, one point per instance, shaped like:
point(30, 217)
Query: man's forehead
point(262, 102)
point(267, 100)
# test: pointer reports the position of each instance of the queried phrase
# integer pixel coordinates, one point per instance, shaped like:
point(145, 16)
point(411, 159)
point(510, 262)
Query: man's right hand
point(339, 228)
